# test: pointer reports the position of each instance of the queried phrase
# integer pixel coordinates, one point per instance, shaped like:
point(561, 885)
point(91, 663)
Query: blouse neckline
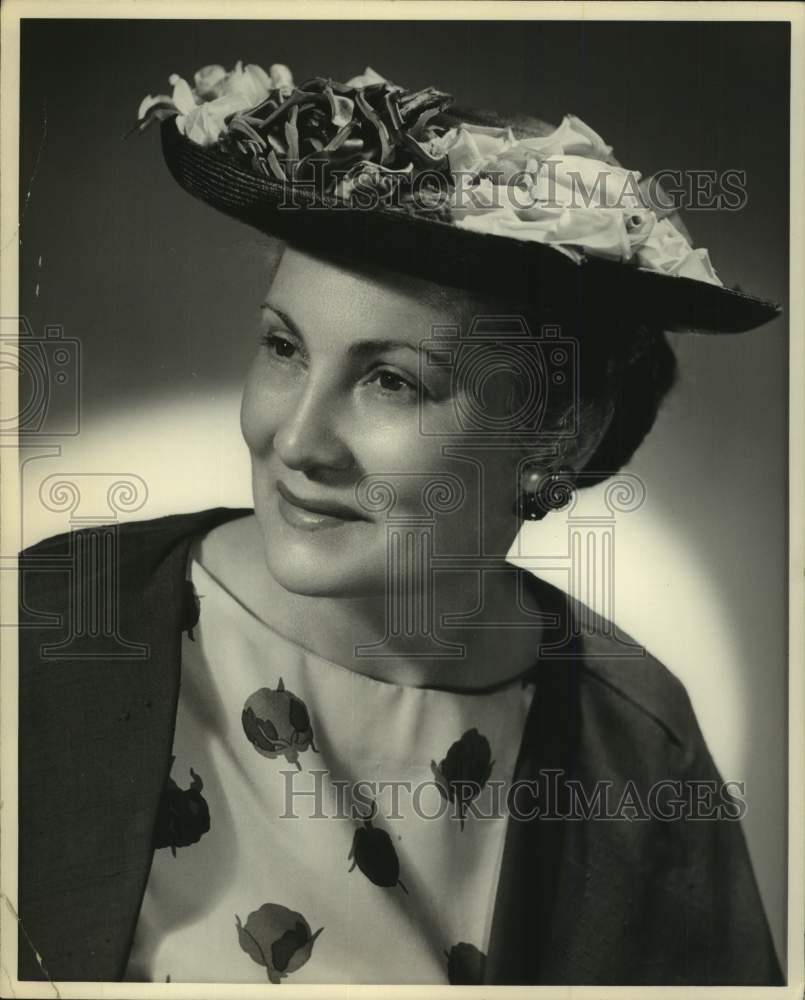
point(523, 677)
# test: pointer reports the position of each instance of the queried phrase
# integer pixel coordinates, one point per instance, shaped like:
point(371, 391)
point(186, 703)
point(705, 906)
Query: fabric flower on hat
point(599, 231)
point(248, 85)
point(375, 145)
point(578, 202)
point(666, 249)
point(281, 79)
point(469, 198)
point(216, 95)
point(581, 182)
point(572, 137)
point(367, 79)
point(640, 223)
point(474, 147)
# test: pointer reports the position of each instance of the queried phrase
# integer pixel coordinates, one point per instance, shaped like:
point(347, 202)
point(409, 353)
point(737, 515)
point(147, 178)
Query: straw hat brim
point(438, 251)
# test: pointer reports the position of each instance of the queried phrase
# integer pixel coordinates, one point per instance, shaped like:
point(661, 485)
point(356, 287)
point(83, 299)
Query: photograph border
point(10, 15)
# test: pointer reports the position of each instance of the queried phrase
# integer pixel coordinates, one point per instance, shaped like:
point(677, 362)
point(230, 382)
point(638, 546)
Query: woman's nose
point(308, 438)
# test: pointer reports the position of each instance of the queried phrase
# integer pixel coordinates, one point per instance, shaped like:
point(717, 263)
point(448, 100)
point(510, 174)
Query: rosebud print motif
point(466, 965)
point(462, 774)
point(373, 852)
point(183, 817)
point(402, 896)
point(277, 938)
point(277, 723)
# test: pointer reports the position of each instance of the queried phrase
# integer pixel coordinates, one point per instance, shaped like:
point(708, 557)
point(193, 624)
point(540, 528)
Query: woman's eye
point(279, 345)
point(394, 383)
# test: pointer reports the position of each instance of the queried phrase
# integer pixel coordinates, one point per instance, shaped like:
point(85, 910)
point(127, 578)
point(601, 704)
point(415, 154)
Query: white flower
point(247, 85)
point(204, 125)
point(464, 156)
point(206, 80)
point(577, 181)
point(203, 120)
point(476, 147)
point(149, 103)
point(244, 87)
point(469, 198)
point(558, 190)
point(183, 96)
point(438, 145)
point(640, 223)
point(572, 137)
point(667, 250)
point(281, 78)
point(216, 95)
point(697, 265)
point(366, 79)
point(599, 232)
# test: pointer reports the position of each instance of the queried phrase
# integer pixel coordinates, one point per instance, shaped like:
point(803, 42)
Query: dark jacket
point(584, 900)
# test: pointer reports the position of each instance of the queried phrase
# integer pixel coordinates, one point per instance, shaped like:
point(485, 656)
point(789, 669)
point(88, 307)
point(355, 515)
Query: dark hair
point(625, 369)
point(642, 377)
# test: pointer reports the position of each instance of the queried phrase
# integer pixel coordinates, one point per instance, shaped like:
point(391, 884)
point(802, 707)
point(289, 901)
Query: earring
point(544, 493)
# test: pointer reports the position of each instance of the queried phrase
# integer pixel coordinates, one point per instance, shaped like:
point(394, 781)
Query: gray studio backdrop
point(160, 293)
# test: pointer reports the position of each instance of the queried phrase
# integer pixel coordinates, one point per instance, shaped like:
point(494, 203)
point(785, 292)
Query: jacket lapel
point(533, 848)
point(96, 730)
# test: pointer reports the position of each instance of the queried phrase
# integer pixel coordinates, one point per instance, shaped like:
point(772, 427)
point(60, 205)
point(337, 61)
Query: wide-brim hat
point(371, 171)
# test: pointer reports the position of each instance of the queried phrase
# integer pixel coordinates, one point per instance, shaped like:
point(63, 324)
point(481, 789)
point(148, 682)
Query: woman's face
point(338, 392)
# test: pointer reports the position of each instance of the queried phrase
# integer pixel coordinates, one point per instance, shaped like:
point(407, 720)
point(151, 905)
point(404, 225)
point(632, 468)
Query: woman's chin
point(311, 579)
point(318, 564)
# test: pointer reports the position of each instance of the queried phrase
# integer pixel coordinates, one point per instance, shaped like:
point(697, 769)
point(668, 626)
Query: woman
point(392, 757)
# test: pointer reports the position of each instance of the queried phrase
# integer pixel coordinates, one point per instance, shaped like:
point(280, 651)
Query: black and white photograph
point(401, 498)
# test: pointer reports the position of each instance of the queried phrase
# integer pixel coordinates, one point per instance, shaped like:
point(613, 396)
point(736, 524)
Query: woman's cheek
point(390, 443)
point(249, 425)
point(266, 402)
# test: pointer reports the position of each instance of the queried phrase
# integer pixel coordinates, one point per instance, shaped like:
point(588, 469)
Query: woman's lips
point(311, 515)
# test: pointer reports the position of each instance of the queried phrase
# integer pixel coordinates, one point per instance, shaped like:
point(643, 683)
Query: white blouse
point(262, 871)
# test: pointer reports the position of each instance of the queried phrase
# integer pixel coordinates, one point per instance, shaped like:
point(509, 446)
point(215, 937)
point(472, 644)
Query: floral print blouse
point(318, 825)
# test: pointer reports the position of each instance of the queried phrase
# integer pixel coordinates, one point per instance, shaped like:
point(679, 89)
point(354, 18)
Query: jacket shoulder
point(123, 558)
point(622, 673)
point(159, 531)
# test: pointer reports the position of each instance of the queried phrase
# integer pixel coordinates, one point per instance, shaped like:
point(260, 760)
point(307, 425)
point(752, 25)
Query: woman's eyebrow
point(286, 319)
point(361, 348)
point(376, 345)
